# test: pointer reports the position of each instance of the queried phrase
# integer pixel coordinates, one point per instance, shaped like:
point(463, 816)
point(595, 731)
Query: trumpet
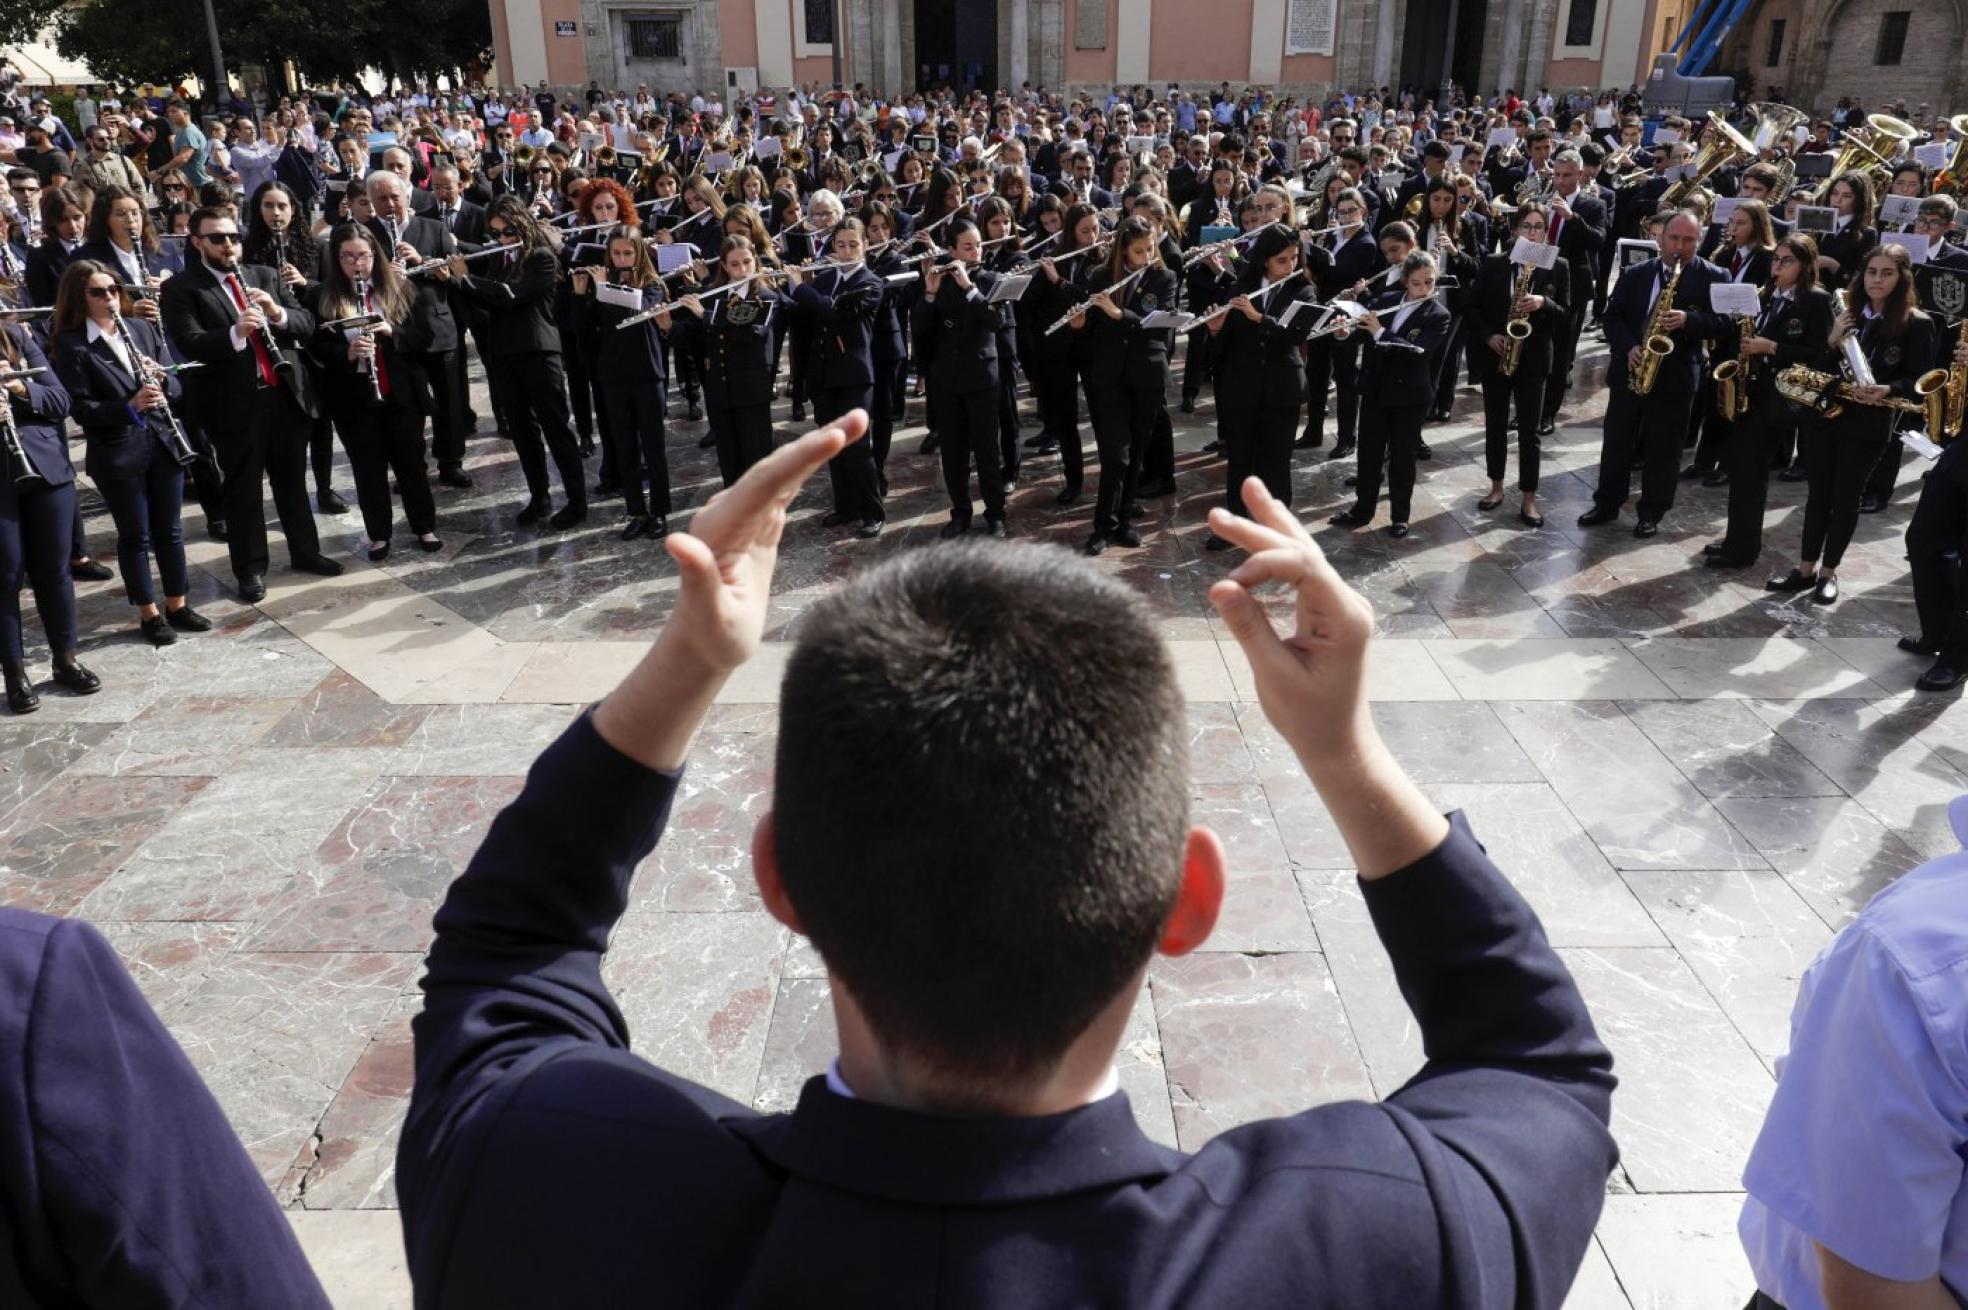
point(12, 453)
point(152, 374)
point(1066, 319)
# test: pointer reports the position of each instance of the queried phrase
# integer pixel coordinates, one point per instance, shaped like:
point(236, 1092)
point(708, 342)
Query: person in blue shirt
point(1856, 1182)
point(189, 148)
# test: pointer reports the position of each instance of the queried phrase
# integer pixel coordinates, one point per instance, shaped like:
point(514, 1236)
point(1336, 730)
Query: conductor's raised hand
point(1311, 681)
point(725, 561)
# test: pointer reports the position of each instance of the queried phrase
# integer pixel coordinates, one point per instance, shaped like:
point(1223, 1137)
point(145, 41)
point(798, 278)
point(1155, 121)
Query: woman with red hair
point(600, 200)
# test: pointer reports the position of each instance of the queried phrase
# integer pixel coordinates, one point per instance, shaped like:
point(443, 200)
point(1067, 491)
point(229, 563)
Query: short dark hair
point(200, 215)
point(981, 801)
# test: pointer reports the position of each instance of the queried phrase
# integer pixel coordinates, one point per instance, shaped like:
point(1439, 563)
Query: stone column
point(1020, 68)
point(893, 67)
point(1383, 49)
point(1511, 61)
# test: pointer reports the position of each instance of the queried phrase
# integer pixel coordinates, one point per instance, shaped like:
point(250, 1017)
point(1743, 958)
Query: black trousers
point(968, 423)
point(78, 534)
point(1389, 433)
point(490, 363)
point(800, 344)
point(321, 451)
point(1564, 351)
point(891, 404)
point(1257, 442)
point(1526, 392)
point(1196, 363)
point(635, 432)
point(1654, 425)
point(1835, 470)
point(1059, 410)
point(267, 449)
point(1318, 386)
point(574, 365)
point(381, 442)
point(147, 510)
point(533, 392)
point(449, 424)
point(1123, 423)
point(1752, 441)
point(1009, 449)
point(857, 489)
point(1937, 543)
point(1885, 474)
point(1158, 460)
point(743, 434)
point(34, 537)
point(1449, 366)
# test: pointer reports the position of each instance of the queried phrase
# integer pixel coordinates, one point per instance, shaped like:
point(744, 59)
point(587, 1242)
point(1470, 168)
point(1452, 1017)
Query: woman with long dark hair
point(1491, 304)
point(733, 335)
point(629, 373)
point(956, 330)
point(277, 238)
point(1852, 235)
point(843, 303)
point(376, 389)
point(1057, 356)
point(133, 455)
point(1900, 343)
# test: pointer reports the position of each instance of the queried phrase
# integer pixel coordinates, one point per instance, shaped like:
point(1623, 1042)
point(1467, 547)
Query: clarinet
point(375, 374)
point(12, 453)
point(151, 374)
point(267, 342)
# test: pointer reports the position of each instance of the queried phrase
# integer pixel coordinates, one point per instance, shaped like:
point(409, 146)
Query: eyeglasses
point(497, 231)
point(221, 238)
point(101, 293)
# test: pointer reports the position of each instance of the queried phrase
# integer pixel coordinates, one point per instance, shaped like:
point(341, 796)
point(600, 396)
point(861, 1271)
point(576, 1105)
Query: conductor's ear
point(765, 868)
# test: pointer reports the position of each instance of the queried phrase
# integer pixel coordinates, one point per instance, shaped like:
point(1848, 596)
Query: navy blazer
point(843, 306)
point(1398, 371)
point(1117, 352)
point(126, 1186)
point(1260, 365)
point(121, 444)
point(956, 335)
point(619, 357)
point(1489, 306)
point(45, 265)
point(156, 263)
point(1628, 311)
point(38, 416)
point(542, 1163)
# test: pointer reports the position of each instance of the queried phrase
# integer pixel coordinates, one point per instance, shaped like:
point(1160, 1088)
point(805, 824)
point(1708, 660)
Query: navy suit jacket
point(1629, 310)
point(544, 1164)
point(120, 443)
point(124, 1184)
point(38, 418)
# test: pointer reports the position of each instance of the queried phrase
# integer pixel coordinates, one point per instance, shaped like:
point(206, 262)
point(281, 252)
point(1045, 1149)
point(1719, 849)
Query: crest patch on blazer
point(1150, 301)
point(742, 313)
point(1892, 356)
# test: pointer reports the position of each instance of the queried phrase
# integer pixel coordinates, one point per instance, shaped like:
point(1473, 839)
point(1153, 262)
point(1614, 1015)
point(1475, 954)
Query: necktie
point(1557, 226)
point(268, 378)
point(449, 214)
point(1741, 259)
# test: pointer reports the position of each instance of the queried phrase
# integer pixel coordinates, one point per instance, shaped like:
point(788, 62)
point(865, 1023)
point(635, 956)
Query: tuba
point(1951, 179)
point(1724, 145)
point(523, 157)
point(1656, 346)
point(1867, 148)
point(1518, 330)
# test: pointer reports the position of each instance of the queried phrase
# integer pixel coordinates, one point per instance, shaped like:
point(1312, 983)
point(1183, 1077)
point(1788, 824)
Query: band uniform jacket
point(889, 344)
point(843, 306)
point(958, 331)
point(518, 296)
point(1629, 310)
point(431, 240)
point(400, 349)
point(120, 442)
point(1398, 368)
point(1488, 308)
point(533, 1128)
point(38, 417)
point(624, 356)
point(46, 263)
point(1261, 363)
point(1048, 302)
point(1353, 262)
point(1119, 352)
point(1849, 248)
point(1755, 266)
point(737, 345)
point(199, 315)
point(1799, 325)
point(153, 263)
point(1897, 362)
point(1582, 236)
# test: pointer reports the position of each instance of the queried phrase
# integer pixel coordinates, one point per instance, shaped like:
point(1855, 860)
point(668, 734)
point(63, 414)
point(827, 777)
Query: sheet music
point(1918, 443)
point(1164, 318)
point(1010, 287)
point(1914, 243)
point(621, 297)
point(1535, 253)
point(1736, 299)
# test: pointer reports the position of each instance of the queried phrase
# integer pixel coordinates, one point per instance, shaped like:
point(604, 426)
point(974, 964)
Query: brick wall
point(1926, 67)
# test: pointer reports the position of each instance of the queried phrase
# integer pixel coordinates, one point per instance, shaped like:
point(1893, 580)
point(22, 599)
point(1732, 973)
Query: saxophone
point(1518, 330)
point(1956, 394)
point(1656, 346)
point(1828, 393)
point(1732, 377)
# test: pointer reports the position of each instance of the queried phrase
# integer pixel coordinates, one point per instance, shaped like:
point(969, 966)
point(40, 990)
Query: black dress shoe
point(252, 589)
point(328, 502)
point(1794, 473)
point(1871, 504)
point(1214, 542)
point(156, 631)
point(1826, 592)
point(430, 545)
point(1188, 404)
point(1424, 451)
point(186, 619)
point(1125, 535)
point(1942, 677)
point(1593, 517)
point(799, 411)
point(696, 411)
point(454, 477)
point(77, 679)
point(953, 529)
point(567, 516)
point(1048, 445)
point(634, 528)
point(1920, 646)
point(21, 696)
point(1037, 439)
point(377, 554)
point(1351, 479)
point(1351, 518)
point(1397, 530)
point(1309, 441)
point(1068, 495)
point(1212, 447)
point(1726, 561)
point(1344, 449)
point(1096, 544)
point(606, 490)
point(1716, 479)
point(708, 440)
point(216, 529)
point(1714, 548)
point(833, 518)
point(871, 528)
point(931, 443)
point(1646, 528)
point(535, 511)
point(89, 570)
point(1488, 503)
point(1157, 489)
point(1792, 581)
point(1530, 520)
point(319, 565)
point(1546, 428)
point(995, 528)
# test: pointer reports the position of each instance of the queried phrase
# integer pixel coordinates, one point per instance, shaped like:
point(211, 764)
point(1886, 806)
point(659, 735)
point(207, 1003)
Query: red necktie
point(382, 372)
point(268, 378)
point(1557, 226)
point(1737, 270)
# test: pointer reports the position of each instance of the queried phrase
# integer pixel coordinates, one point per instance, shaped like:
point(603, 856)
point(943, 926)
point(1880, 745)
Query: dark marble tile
point(193, 735)
point(341, 712)
point(697, 991)
point(32, 752)
point(60, 846)
point(350, 1162)
point(1725, 750)
point(704, 860)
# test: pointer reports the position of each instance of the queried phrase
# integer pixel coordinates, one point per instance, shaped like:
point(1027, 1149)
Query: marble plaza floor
point(1696, 783)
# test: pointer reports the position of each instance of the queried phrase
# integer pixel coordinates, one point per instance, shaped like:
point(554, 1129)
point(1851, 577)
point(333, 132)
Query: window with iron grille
point(1578, 27)
point(1775, 55)
point(1892, 37)
point(819, 22)
point(655, 38)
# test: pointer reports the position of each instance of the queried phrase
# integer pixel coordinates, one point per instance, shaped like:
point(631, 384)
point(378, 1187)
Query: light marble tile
point(1396, 671)
point(799, 1043)
point(59, 847)
point(1251, 1037)
point(479, 740)
point(33, 752)
point(1832, 850)
point(350, 1161)
point(756, 682)
point(704, 860)
point(184, 736)
point(1677, 1252)
point(697, 992)
point(1747, 935)
point(357, 1255)
point(1725, 750)
point(1143, 1076)
point(1382, 1025)
point(1880, 659)
point(574, 673)
point(1636, 805)
point(1262, 911)
point(1571, 668)
point(1596, 1288)
point(1463, 741)
point(1706, 667)
point(1691, 1092)
point(1201, 671)
point(169, 960)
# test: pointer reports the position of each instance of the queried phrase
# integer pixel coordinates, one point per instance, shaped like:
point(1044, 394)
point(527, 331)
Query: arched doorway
point(957, 43)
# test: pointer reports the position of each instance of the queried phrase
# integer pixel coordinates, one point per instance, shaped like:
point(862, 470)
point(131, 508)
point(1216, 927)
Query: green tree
point(22, 21)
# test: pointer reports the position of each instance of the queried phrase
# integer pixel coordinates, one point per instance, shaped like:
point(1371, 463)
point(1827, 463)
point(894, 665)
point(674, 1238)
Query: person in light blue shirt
point(1185, 114)
point(190, 149)
point(1855, 1183)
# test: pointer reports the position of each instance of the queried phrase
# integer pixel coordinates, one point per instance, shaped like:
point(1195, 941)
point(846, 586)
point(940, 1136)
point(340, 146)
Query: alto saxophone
point(1656, 346)
point(1732, 377)
point(1518, 330)
point(1956, 393)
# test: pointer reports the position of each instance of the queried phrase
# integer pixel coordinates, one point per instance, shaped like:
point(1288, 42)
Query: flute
point(1204, 320)
point(1067, 318)
point(668, 305)
point(1347, 322)
point(431, 265)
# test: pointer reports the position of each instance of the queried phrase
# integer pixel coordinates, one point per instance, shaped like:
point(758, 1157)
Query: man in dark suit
point(413, 241)
point(127, 1185)
point(1434, 164)
point(254, 400)
point(1654, 424)
point(971, 1135)
point(1356, 257)
point(465, 219)
point(1578, 227)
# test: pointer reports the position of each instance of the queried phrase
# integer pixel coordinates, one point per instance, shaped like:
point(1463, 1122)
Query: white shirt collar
point(838, 1085)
